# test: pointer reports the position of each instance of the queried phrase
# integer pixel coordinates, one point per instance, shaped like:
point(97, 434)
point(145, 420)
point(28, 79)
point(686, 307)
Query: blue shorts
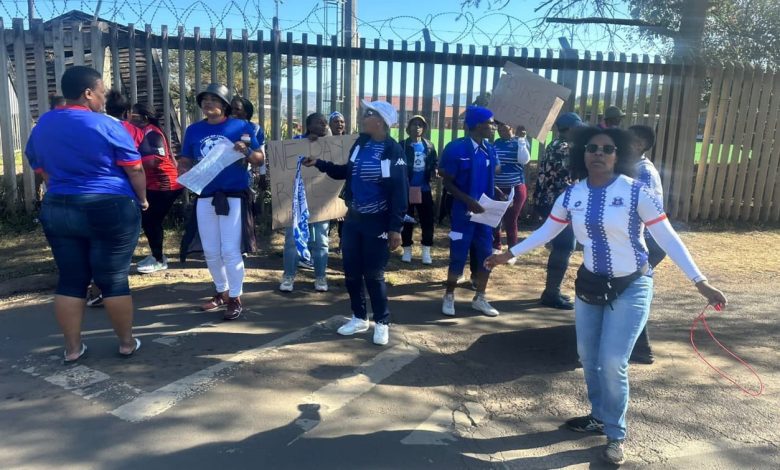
point(463, 236)
point(92, 236)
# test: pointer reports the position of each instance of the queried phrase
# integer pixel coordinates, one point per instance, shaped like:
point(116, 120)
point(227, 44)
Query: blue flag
point(300, 215)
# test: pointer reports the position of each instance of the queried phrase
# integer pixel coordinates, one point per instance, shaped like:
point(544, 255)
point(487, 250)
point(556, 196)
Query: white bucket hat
point(385, 109)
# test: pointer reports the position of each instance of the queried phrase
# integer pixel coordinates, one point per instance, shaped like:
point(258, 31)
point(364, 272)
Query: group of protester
point(108, 176)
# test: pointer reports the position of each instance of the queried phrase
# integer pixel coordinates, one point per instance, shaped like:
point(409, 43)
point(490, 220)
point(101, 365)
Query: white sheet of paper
point(494, 210)
point(219, 157)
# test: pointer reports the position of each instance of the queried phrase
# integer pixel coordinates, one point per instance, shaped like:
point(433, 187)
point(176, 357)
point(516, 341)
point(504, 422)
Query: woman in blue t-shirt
point(376, 194)
point(422, 163)
point(222, 202)
point(91, 212)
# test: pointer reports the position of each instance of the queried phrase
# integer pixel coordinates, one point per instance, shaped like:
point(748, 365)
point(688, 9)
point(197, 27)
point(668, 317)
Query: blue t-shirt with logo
point(201, 137)
point(368, 194)
point(418, 167)
point(83, 152)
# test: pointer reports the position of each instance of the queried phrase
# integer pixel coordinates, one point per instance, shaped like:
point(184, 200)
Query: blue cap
point(568, 120)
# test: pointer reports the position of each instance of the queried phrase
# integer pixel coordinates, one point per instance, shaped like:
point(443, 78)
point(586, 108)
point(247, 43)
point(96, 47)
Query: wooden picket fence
point(738, 129)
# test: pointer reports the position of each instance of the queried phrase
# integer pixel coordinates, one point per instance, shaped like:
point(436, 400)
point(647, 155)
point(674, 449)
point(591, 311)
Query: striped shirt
point(368, 195)
point(512, 172)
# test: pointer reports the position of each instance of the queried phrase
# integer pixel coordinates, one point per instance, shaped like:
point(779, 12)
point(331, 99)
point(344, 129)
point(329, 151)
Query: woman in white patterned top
point(608, 211)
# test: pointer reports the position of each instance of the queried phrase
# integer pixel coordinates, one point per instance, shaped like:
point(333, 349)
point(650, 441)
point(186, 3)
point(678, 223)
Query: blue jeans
point(364, 253)
point(605, 339)
point(318, 246)
point(92, 236)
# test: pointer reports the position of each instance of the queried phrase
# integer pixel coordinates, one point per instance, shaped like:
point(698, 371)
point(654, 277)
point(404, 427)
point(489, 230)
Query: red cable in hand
point(701, 318)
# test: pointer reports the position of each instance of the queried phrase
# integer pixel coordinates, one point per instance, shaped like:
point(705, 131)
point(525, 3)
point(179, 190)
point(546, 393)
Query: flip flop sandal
point(65, 359)
point(131, 353)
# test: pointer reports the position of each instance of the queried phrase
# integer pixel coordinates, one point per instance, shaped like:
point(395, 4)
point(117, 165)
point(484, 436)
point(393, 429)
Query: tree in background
point(725, 30)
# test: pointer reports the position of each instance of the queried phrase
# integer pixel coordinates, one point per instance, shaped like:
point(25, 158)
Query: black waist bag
point(596, 289)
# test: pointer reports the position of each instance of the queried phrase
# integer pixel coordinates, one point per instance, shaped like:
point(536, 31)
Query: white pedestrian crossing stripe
point(158, 401)
point(135, 405)
point(336, 394)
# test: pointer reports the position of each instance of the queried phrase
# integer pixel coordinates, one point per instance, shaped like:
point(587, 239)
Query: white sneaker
point(512, 261)
point(479, 304)
point(355, 325)
point(146, 262)
point(426, 255)
point(448, 305)
point(497, 251)
point(381, 334)
point(321, 284)
point(407, 256)
point(287, 284)
point(154, 266)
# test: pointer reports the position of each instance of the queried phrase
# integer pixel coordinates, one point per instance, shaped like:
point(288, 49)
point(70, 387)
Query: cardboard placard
point(322, 192)
point(523, 98)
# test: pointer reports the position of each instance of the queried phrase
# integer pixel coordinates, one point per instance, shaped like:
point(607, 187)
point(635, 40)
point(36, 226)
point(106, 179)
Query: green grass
point(18, 158)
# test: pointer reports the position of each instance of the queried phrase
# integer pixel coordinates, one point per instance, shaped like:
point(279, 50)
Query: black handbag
point(595, 289)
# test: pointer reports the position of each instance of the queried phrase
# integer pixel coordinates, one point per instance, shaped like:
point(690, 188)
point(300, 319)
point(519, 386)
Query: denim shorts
point(92, 237)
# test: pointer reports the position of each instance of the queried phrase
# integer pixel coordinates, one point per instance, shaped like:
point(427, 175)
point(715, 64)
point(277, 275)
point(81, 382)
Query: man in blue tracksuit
point(468, 166)
point(377, 196)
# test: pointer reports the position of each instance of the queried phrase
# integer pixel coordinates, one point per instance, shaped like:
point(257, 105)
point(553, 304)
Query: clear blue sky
point(384, 19)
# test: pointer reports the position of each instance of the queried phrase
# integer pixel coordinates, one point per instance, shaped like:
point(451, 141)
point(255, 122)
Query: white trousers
point(220, 236)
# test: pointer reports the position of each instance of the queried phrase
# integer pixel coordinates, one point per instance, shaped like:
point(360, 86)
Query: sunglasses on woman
point(605, 149)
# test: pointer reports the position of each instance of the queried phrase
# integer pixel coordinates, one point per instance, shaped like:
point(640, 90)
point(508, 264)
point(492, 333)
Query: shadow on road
point(290, 446)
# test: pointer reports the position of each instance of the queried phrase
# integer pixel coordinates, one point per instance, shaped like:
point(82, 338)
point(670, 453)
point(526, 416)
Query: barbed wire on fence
point(494, 28)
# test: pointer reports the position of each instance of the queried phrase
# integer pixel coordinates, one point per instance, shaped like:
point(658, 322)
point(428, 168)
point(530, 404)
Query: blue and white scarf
point(300, 215)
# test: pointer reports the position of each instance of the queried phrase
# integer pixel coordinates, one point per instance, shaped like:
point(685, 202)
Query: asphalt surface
point(280, 389)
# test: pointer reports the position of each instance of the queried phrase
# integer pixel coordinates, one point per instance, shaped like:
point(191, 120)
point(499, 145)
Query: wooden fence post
point(716, 74)
point(755, 154)
point(6, 130)
point(96, 47)
point(767, 182)
point(149, 66)
point(58, 38)
point(131, 59)
point(25, 120)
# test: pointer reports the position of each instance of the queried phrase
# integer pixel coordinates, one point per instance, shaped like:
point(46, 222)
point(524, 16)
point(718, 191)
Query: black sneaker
point(614, 452)
point(556, 301)
point(95, 301)
point(585, 424)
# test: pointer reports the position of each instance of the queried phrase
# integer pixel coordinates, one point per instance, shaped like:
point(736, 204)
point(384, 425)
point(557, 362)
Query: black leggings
point(160, 203)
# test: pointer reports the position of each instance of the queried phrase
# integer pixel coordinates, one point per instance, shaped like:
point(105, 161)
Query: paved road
point(280, 389)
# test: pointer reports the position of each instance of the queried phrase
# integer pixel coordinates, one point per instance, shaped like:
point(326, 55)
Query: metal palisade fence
point(718, 144)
